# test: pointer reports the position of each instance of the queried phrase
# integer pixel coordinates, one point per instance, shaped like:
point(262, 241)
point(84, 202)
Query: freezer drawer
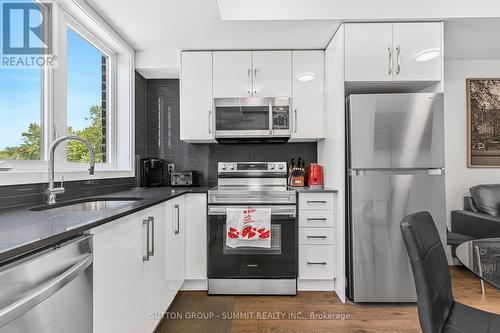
point(396, 131)
point(379, 264)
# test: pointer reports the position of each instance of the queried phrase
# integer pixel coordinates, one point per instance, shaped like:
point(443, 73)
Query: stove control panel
point(261, 167)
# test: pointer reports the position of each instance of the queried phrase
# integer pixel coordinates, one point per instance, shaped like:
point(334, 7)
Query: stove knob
point(272, 167)
point(224, 167)
point(280, 166)
point(232, 167)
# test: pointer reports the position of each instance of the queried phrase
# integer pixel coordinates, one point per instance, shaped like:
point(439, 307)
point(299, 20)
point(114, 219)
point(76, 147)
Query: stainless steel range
point(250, 270)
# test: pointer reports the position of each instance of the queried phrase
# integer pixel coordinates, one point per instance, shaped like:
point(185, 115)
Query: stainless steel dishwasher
point(49, 291)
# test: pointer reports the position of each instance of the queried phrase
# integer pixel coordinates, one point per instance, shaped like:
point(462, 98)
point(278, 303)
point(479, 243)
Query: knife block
point(297, 181)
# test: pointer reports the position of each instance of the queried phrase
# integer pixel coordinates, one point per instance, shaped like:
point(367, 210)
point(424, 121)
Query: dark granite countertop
point(23, 230)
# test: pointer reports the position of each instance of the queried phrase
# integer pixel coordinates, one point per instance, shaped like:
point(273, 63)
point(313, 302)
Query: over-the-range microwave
point(252, 120)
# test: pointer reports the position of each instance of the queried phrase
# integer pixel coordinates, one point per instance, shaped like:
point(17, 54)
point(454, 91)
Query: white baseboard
point(195, 285)
point(316, 285)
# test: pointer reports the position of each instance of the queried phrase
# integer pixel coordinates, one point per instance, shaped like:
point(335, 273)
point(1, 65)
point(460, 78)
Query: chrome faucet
point(51, 192)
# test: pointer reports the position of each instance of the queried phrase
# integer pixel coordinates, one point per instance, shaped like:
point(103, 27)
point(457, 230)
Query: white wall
point(459, 178)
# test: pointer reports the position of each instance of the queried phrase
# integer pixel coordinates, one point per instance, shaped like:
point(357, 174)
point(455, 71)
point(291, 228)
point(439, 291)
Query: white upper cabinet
point(272, 73)
point(418, 51)
point(308, 94)
point(240, 74)
point(196, 116)
point(232, 74)
point(368, 48)
point(379, 52)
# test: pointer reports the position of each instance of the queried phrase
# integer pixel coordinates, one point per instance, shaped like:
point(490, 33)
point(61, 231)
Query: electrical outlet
point(171, 167)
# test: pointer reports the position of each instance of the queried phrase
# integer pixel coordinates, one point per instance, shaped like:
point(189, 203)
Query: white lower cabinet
point(175, 245)
point(316, 262)
point(196, 241)
point(139, 265)
point(316, 241)
point(118, 269)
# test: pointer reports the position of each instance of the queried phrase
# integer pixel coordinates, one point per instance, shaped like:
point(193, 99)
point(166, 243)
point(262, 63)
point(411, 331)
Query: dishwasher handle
point(43, 292)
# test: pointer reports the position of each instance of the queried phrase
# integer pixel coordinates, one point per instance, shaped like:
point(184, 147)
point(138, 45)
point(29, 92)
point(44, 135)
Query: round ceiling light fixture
point(305, 76)
point(427, 54)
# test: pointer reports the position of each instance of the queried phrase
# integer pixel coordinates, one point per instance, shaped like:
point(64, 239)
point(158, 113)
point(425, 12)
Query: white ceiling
point(343, 10)
point(159, 29)
point(196, 24)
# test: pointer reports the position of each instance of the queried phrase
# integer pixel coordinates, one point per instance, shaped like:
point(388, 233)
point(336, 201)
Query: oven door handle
point(275, 210)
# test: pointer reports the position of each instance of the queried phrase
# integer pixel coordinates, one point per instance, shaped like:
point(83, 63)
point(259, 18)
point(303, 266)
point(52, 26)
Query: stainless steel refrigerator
point(395, 167)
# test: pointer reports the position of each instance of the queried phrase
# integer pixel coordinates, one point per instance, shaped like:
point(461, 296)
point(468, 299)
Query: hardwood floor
point(348, 318)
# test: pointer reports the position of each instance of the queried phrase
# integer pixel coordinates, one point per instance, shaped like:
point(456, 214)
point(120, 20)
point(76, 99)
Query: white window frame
point(60, 85)
point(120, 96)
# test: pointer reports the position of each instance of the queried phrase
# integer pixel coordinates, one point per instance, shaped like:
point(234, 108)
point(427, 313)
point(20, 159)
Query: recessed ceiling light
point(306, 76)
point(427, 54)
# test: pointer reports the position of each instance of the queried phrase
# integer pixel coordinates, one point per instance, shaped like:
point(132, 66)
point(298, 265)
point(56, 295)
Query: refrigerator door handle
point(396, 171)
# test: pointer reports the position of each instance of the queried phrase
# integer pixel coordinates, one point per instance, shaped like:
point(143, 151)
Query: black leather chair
point(437, 310)
point(480, 217)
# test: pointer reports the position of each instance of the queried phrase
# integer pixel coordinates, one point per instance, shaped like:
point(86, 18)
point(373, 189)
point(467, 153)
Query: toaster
point(184, 178)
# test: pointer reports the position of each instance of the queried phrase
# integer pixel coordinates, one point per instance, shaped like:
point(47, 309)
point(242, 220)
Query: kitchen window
point(79, 96)
point(21, 114)
point(87, 98)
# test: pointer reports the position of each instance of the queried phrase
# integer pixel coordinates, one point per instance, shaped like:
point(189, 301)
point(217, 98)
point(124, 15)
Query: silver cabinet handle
point(316, 218)
point(151, 220)
point(177, 230)
point(295, 122)
point(209, 121)
point(252, 265)
point(316, 237)
point(316, 201)
point(389, 67)
point(249, 81)
point(145, 257)
point(254, 81)
point(316, 263)
point(398, 50)
point(43, 292)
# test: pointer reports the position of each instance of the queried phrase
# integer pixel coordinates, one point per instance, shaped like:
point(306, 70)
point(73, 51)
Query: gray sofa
point(480, 217)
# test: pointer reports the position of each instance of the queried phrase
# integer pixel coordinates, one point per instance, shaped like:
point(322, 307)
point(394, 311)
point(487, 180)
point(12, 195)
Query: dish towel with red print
point(248, 227)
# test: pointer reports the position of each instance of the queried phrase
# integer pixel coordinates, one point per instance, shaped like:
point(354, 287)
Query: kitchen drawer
point(311, 236)
point(316, 201)
point(316, 218)
point(316, 262)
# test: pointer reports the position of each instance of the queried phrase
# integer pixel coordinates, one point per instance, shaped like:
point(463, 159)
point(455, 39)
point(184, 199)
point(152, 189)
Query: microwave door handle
point(271, 127)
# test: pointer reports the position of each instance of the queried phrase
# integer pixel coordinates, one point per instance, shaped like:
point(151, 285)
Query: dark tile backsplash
point(162, 136)
point(157, 134)
point(31, 194)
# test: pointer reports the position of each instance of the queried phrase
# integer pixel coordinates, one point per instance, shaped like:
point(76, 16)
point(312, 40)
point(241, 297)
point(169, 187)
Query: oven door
point(278, 261)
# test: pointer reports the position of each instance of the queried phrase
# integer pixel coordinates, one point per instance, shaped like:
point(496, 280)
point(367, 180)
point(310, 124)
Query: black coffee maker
point(152, 172)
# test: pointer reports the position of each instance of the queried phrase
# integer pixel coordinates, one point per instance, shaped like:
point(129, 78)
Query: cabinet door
point(175, 245)
point(368, 52)
point(272, 73)
point(418, 51)
point(118, 268)
point(196, 115)
point(196, 236)
point(232, 74)
point(308, 99)
point(155, 286)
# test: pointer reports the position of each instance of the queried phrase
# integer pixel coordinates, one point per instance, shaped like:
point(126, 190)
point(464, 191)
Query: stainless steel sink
point(89, 205)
